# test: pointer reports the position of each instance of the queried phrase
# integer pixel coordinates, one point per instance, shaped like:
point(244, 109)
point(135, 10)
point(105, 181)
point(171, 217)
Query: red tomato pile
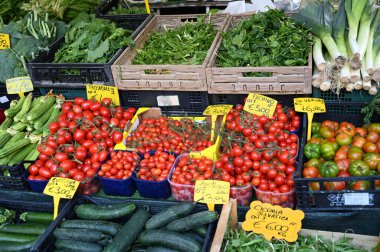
point(258, 151)
point(167, 134)
point(80, 140)
point(155, 167)
point(120, 166)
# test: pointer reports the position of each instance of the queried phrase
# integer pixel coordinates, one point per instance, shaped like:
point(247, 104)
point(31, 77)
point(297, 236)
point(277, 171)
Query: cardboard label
point(19, 85)
point(309, 105)
point(273, 221)
point(217, 109)
point(5, 41)
point(356, 199)
point(212, 192)
point(167, 100)
point(98, 92)
point(260, 105)
point(60, 188)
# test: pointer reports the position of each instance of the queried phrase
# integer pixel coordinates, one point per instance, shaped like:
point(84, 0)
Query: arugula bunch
point(92, 40)
point(266, 39)
point(185, 45)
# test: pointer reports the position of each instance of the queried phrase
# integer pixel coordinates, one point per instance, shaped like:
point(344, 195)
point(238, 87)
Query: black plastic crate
point(44, 73)
point(104, 8)
point(172, 103)
point(15, 180)
point(46, 243)
point(344, 96)
point(324, 200)
point(68, 92)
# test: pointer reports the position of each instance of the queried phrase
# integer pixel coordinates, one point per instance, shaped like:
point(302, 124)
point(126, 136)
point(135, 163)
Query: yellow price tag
point(260, 105)
point(60, 188)
point(217, 109)
point(98, 92)
point(5, 41)
point(309, 106)
point(19, 85)
point(212, 192)
point(147, 6)
point(273, 221)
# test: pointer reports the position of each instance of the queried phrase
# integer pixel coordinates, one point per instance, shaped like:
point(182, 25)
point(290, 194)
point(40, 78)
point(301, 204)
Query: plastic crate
point(44, 73)
point(344, 96)
point(104, 8)
point(46, 243)
point(15, 180)
point(172, 103)
point(68, 92)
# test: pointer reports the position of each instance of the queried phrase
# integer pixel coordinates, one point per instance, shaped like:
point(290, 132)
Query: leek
point(350, 87)
point(367, 85)
point(373, 90)
point(358, 85)
point(364, 73)
point(373, 42)
point(355, 75)
point(318, 58)
point(364, 29)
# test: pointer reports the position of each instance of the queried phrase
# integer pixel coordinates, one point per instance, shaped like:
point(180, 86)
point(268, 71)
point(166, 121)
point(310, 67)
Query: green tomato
point(311, 150)
point(328, 169)
point(315, 127)
point(358, 168)
point(327, 151)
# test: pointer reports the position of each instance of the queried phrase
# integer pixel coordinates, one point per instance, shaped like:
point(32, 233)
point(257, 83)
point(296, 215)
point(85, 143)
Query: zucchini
point(109, 212)
point(129, 232)
point(24, 228)
point(169, 239)
point(192, 221)
point(33, 155)
point(106, 227)
point(16, 246)
point(25, 108)
point(5, 160)
point(41, 108)
point(6, 124)
point(4, 138)
point(22, 154)
point(170, 214)
point(43, 119)
point(159, 249)
point(11, 237)
point(78, 246)
point(17, 136)
point(86, 235)
point(20, 126)
point(53, 117)
point(14, 109)
point(40, 217)
point(8, 149)
point(201, 230)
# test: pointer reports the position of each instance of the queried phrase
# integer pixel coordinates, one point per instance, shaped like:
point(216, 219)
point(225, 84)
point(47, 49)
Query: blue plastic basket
point(36, 185)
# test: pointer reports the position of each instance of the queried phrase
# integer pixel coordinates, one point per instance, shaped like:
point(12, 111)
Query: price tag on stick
point(19, 85)
point(212, 192)
point(309, 106)
point(260, 105)
point(98, 92)
point(60, 188)
point(273, 221)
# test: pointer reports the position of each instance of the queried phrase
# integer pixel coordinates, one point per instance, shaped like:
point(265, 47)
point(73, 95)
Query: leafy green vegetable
point(184, 45)
point(266, 39)
point(124, 9)
point(10, 10)
point(92, 40)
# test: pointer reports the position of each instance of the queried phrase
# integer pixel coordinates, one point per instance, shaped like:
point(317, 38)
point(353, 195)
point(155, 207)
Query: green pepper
point(315, 127)
point(328, 169)
point(311, 150)
point(327, 151)
point(358, 168)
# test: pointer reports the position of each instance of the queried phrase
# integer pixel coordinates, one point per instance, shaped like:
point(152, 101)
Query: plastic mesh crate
point(103, 12)
point(15, 180)
point(68, 92)
point(344, 96)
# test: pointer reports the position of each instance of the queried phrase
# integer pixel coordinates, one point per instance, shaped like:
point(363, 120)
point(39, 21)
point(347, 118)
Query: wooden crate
point(166, 77)
point(232, 80)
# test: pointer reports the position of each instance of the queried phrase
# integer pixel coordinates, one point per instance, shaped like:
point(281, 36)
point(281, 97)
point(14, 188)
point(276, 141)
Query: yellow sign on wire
point(260, 105)
point(98, 92)
point(212, 192)
point(19, 85)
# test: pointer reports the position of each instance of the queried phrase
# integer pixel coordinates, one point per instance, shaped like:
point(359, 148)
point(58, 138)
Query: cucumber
point(11, 237)
point(40, 217)
point(160, 249)
point(78, 246)
point(129, 232)
point(16, 246)
point(109, 212)
point(169, 239)
point(104, 241)
point(106, 227)
point(61, 250)
point(169, 215)
point(86, 235)
point(195, 236)
point(192, 221)
point(137, 249)
point(25, 228)
point(6, 216)
point(201, 230)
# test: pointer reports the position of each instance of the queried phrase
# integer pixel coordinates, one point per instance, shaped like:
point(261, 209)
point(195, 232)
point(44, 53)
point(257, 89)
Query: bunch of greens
point(124, 8)
point(92, 40)
point(65, 10)
point(240, 241)
point(29, 37)
point(266, 39)
point(373, 107)
point(10, 10)
point(185, 45)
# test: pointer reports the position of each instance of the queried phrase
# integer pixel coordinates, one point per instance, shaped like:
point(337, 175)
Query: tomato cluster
point(80, 140)
point(167, 134)
point(120, 165)
point(188, 170)
point(155, 167)
point(342, 150)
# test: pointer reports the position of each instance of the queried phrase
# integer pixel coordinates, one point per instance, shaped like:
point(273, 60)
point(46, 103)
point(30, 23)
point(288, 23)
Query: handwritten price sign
point(260, 105)
point(19, 85)
point(273, 221)
point(5, 41)
point(217, 109)
point(60, 188)
point(212, 192)
point(98, 92)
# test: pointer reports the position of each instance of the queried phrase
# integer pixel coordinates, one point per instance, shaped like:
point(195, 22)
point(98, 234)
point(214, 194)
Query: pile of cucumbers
point(22, 235)
point(104, 228)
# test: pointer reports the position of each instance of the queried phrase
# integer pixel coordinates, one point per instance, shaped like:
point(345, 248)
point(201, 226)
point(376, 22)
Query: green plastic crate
point(344, 96)
point(68, 92)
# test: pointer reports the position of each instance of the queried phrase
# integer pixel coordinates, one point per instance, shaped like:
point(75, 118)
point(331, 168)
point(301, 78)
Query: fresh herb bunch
point(266, 39)
point(10, 10)
point(129, 10)
point(372, 108)
point(92, 40)
point(241, 241)
point(185, 45)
